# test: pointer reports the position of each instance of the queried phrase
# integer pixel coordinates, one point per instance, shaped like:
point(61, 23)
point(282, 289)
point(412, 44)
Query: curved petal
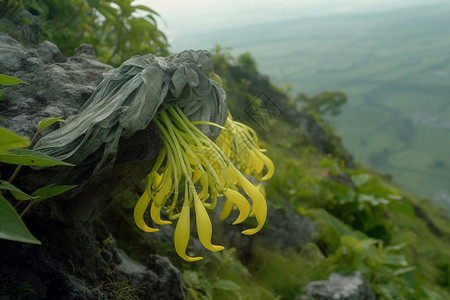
point(204, 227)
point(257, 163)
point(155, 213)
point(226, 209)
point(269, 165)
point(139, 211)
point(154, 179)
point(241, 202)
point(162, 194)
point(259, 203)
point(182, 232)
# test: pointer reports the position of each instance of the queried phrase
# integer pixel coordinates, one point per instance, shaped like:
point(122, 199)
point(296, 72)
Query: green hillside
point(395, 69)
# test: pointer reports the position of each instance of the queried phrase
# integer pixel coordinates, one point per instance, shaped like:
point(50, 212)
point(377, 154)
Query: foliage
point(11, 224)
point(12, 152)
point(323, 103)
point(8, 80)
point(247, 62)
point(116, 28)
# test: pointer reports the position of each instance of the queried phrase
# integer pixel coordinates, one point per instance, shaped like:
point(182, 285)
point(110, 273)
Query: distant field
point(395, 69)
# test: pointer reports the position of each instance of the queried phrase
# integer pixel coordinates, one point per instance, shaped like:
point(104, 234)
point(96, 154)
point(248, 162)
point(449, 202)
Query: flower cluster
point(193, 171)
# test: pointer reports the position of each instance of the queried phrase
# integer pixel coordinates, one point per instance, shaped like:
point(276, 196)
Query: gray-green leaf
point(29, 157)
point(11, 225)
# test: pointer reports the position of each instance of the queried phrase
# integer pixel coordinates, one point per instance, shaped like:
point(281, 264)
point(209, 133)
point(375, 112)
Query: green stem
point(26, 209)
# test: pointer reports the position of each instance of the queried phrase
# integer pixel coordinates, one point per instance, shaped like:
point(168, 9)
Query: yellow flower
point(241, 145)
point(193, 171)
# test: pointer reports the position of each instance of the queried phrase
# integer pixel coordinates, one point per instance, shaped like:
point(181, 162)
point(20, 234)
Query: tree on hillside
point(323, 103)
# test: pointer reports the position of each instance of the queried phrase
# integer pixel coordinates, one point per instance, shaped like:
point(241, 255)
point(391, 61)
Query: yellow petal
point(163, 193)
point(226, 209)
point(182, 232)
point(204, 193)
point(139, 211)
point(197, 175)
point(154, 179)
point(259, 203)
point(241, 203)
point(232, 178)
point(155, 213)
point(204, 227)
point(258, 164)
point(262, 189)
point(269, 165)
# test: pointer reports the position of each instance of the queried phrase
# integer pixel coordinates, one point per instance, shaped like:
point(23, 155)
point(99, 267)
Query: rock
point(23, 27)
point(74, 262)
point(49, 53)
point(341, 287)
point(284, 229)
point(57, 87)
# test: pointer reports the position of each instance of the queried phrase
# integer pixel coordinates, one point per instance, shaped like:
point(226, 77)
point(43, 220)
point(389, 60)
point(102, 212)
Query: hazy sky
point(183, 16)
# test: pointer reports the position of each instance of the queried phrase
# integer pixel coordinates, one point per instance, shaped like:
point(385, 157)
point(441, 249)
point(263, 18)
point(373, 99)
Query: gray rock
point(71, 263)
point(23, 27)
point(341, 287)
point(57, 87)
point(49, 53)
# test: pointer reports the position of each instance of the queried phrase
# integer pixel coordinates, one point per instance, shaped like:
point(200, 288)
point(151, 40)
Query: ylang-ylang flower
point(192, 172)
point(198, 165)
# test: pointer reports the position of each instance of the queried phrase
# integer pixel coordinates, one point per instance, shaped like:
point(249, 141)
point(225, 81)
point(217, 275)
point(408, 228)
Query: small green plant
point(13, 150)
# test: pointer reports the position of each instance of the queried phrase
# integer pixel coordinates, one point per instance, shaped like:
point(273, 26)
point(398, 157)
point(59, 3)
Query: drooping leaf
point(17, 193)
point(11, 225)
point(9, 80)
point(9, 140)
point(51, 191)
point(29, 157)
point(145, 8)
point(48, 122)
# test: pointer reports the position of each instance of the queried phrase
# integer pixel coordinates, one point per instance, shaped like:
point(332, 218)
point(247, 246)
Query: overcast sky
point(180, 17)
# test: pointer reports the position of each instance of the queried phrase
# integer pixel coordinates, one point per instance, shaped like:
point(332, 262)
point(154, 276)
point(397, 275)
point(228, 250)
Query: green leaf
point(1, 118)
point(29, 157)
point(395, 260)
point(11, 225)
point(360, 179)
point(9, 140)
point(48, 122)
point(93, 3)
point(432, 295)
point(226, 285)
point(145, 8)
point(51, 191)
point(2, 93)
point(9, 80)
point(17, 193)
point(27, 21)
